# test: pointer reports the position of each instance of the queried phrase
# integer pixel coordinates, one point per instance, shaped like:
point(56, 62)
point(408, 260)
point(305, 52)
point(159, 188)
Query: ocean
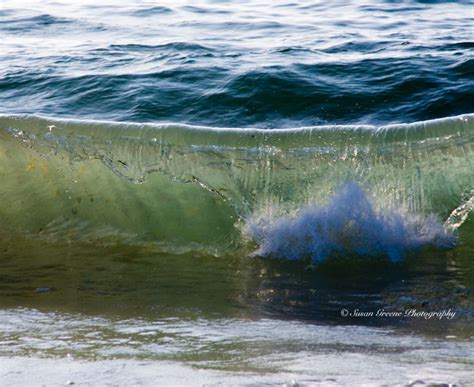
point(236, 192)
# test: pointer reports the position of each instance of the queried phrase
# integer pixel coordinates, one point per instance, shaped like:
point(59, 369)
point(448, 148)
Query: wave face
point(179, 188)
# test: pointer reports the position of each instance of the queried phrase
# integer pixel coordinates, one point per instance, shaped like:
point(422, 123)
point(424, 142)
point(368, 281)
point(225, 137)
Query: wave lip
point(348, 225)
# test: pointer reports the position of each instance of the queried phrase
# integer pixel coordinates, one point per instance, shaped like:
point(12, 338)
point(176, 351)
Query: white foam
point(348, 225)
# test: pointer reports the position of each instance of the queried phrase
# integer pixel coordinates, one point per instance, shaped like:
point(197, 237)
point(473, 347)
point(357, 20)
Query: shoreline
point(17, 371)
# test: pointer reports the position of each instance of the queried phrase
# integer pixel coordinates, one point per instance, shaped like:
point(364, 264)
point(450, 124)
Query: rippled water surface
point(180, 253)
point(238, 63)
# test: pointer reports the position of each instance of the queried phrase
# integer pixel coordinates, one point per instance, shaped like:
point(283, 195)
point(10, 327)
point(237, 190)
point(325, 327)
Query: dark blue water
point(239, 63)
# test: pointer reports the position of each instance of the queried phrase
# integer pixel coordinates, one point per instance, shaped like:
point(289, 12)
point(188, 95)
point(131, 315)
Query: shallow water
point(306, 218)
point(141, 316)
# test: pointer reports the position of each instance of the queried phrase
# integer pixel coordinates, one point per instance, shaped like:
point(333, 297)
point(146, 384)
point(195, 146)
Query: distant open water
point(238, 63)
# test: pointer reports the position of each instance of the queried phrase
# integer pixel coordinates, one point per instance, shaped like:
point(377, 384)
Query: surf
point(192, 188)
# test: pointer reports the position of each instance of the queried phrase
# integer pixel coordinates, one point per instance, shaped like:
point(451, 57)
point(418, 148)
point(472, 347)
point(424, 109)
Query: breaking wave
point(185, 188)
